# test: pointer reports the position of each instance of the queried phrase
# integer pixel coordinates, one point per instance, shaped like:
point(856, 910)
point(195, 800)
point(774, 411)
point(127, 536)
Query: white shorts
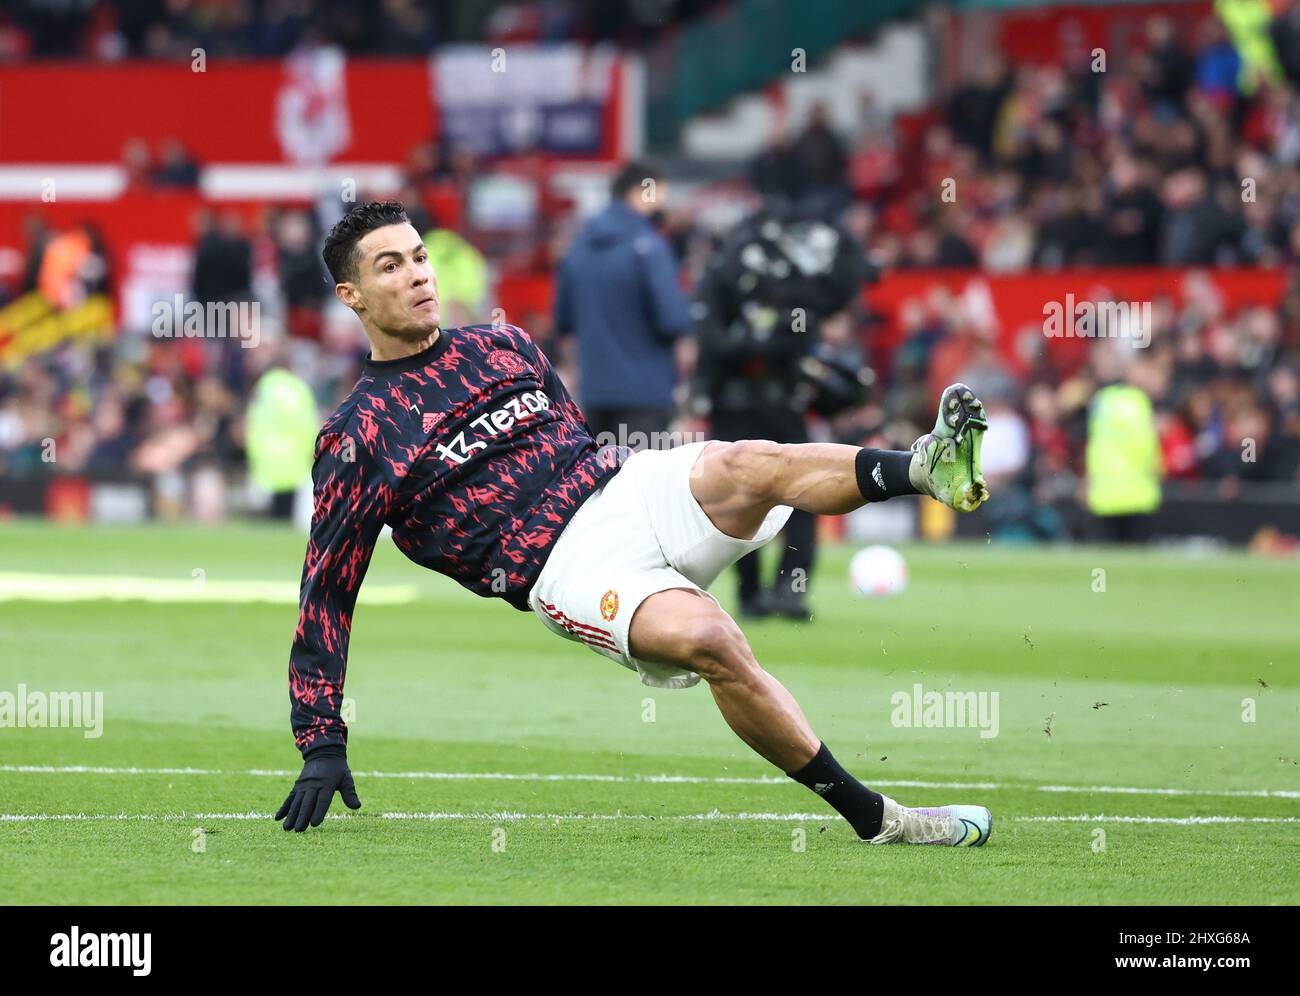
point(641, 532)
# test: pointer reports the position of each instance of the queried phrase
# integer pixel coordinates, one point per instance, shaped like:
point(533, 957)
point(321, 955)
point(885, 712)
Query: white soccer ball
point(878, 572)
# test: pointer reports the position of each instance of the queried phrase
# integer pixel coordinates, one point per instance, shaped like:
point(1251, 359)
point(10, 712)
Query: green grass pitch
point(499, 764)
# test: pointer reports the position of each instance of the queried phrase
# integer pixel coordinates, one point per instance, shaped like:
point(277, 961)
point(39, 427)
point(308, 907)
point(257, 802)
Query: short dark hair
point(340, 250)
point(631, 175)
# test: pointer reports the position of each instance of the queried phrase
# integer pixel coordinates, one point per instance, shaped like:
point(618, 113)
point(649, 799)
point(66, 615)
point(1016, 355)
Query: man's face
point(395, 290)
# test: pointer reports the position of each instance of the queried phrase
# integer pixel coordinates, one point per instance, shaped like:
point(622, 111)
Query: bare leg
point(737, 484)
point(682, 627)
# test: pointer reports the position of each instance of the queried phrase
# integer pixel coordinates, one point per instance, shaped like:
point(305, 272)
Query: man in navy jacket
point(617, 291)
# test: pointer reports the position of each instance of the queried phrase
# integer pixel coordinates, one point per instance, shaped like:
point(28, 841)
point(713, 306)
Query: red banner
point(305, 109)
point(235, 112)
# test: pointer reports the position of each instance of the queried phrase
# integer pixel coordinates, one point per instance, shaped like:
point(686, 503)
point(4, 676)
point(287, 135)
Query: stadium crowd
point(172, 29)
point(1180, 155)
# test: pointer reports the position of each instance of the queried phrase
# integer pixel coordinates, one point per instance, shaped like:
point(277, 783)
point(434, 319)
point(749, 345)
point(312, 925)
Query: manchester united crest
point(507, 362)
point(609, 605)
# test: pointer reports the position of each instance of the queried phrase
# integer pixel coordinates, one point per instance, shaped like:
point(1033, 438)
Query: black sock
point(863, 808)
point(883, 473)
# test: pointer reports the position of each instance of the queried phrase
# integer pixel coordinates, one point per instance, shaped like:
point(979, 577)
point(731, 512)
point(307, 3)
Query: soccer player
point(467, 444)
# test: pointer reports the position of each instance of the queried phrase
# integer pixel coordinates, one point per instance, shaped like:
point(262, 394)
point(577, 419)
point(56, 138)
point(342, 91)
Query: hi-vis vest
point(1123, 455)
point(282, 424)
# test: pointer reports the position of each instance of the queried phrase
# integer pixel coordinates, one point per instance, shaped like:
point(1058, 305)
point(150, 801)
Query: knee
point(720, 652)
point(753, 466)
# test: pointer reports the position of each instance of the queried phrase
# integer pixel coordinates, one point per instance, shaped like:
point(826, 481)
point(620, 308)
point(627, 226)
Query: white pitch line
point(24, 586)
point(1178, 820)
point(713, 816)
point(484, 815)
point(475, 776)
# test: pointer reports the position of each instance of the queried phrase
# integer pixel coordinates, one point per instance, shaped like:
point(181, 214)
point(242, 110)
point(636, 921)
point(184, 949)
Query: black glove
point(324, 770)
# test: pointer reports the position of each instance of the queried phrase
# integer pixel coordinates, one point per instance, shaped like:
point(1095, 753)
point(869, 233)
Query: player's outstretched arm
point(351, 502)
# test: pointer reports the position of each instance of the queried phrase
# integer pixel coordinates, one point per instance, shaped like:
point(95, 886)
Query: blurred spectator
point(175, 166)
point(774, 173)
point(36, 236)
point(1132, 214)
point(1285, 33)
point(282, 424)
point(1123, 458)
point(820, 160)
point(1166, 67)
point(73, 266)
point(973, 109)
point(304, 282)
point(136, 165)
point(1218, 65)
point(223, 260)
point(1198, 230)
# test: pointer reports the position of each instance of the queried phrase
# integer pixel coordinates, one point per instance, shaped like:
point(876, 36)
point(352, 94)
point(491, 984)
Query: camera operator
point(757, 315)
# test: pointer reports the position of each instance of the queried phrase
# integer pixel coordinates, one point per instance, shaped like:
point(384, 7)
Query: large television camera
point(759, 308)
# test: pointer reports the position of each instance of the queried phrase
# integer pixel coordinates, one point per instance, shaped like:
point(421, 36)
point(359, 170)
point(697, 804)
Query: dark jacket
point(617, 291)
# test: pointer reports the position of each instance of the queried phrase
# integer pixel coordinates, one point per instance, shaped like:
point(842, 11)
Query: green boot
point(946, 462)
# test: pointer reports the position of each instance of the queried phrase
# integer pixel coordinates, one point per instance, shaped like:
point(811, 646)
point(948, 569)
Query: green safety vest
point(281, 429)
point(1247, 23)
point(1123, 455)
point(460, 268)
